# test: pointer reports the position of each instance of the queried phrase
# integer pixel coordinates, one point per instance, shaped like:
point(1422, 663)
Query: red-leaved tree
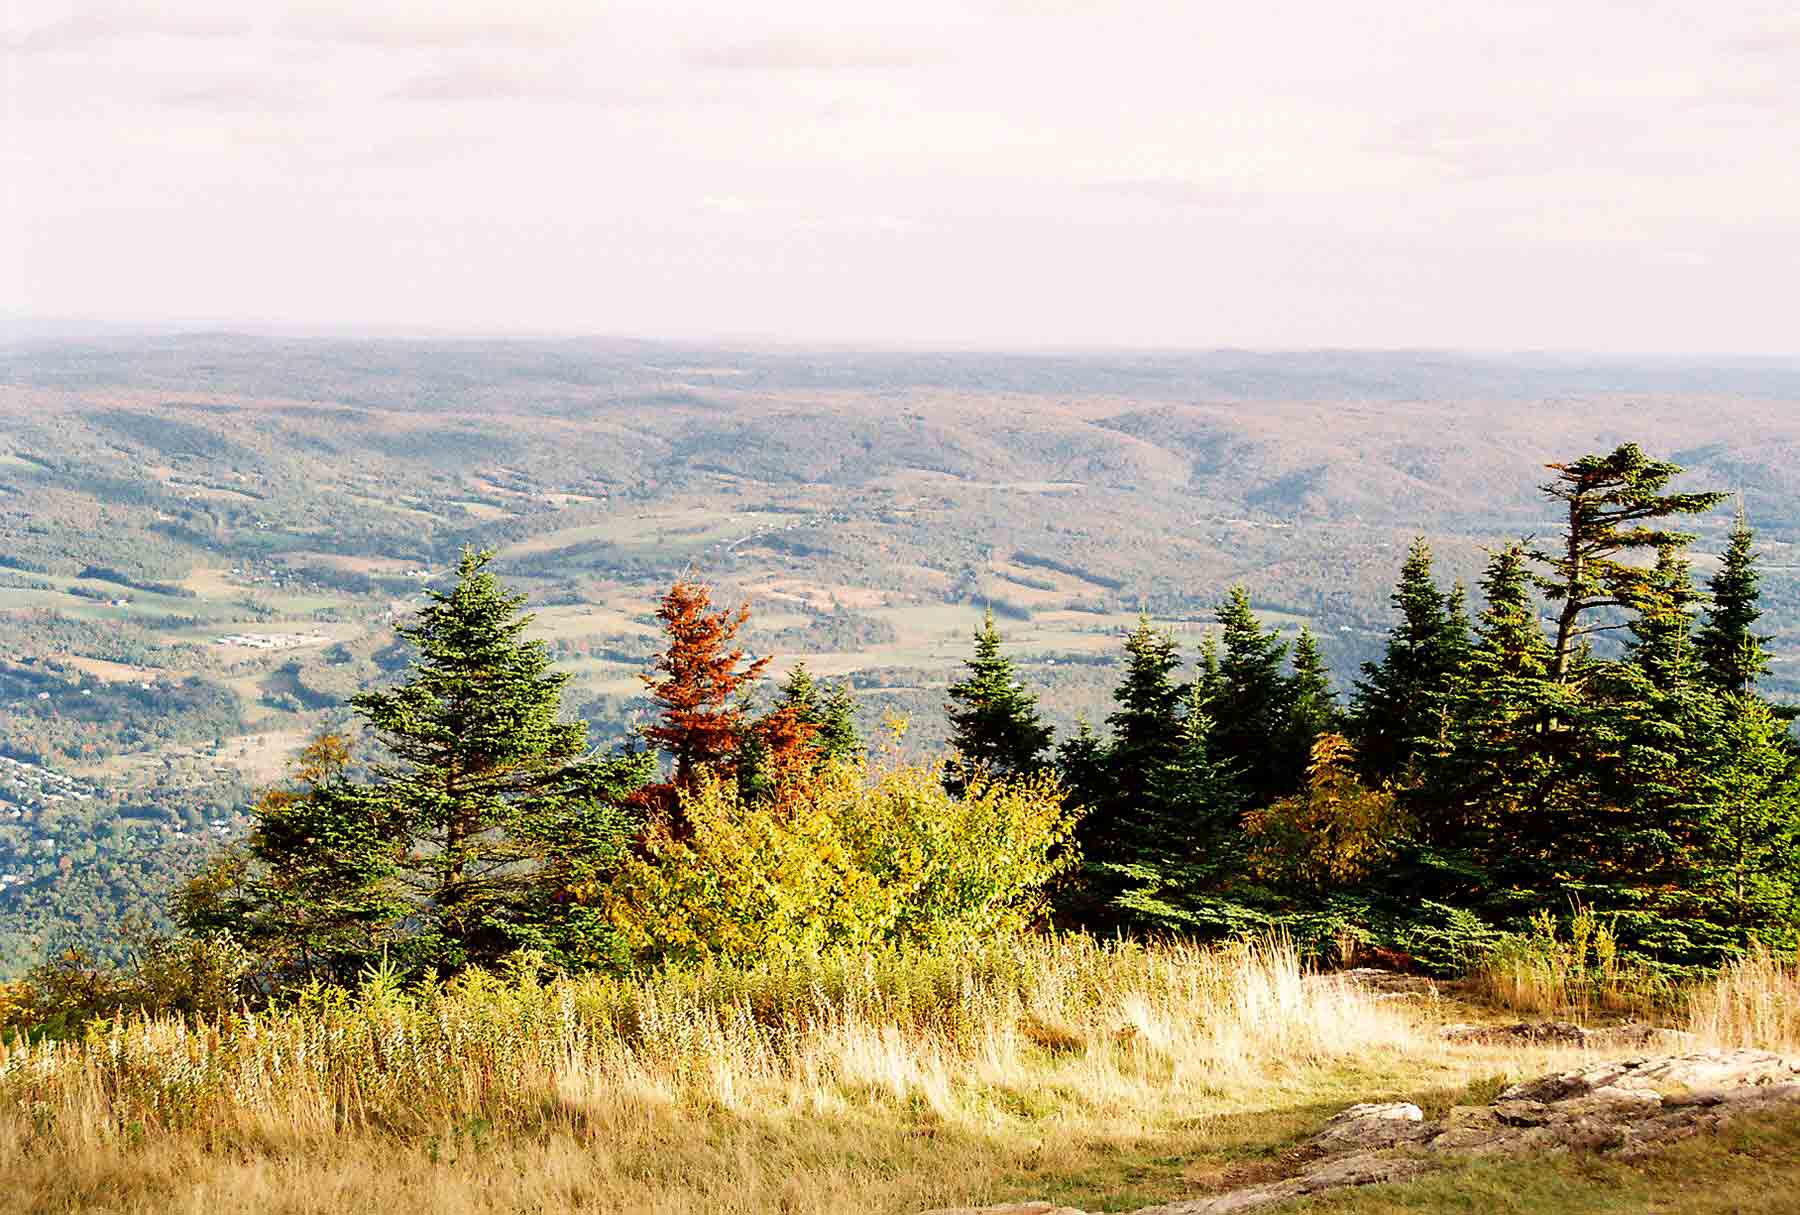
point(695, 682)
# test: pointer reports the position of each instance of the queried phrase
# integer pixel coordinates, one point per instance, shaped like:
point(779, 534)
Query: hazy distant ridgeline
point(1165, 476)
point(1180, 422)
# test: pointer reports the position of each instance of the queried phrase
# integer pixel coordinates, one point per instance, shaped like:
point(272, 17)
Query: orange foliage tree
point(695, 683)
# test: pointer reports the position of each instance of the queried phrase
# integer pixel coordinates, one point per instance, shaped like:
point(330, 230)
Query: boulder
point(1368, 1126)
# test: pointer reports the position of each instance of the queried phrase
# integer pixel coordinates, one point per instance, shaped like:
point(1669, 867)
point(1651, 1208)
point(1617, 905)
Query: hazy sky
point(1602, 174)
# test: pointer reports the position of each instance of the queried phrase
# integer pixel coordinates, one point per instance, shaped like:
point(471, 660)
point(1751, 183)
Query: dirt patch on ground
point(263, 757)
point(211, 583)
point(109, 672)
point(814, 594)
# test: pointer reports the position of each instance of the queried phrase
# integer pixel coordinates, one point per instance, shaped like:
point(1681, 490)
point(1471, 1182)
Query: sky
point(1609, 175)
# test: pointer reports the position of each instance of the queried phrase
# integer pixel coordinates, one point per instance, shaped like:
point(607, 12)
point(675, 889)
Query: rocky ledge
point(1624, 1107)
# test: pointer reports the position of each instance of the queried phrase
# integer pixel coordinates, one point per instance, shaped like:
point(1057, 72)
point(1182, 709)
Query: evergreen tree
point(1639, 731)
point(1186, 845)
point(1612, 503)
point(808, 726)
point(994, 721)
point(1146, 726)
point(1746, 871)
point(1492, 769)
point(1206, 670)
point(1081, 765)
point(827, 710)
point(491, 813)
point(1112, 779)
point(1251, 703)
point(1312, 704)
point(800, 692)
point(1398, 705)
point(314, 890)
point(1662, 626)
point(837, 738)
point(1731, 653)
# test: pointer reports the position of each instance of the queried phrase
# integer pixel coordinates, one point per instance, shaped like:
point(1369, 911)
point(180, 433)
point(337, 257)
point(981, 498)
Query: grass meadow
point(1105, 1076)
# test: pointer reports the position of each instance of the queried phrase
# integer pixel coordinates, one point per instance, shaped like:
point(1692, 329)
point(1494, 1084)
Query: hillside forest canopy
point(206, 545)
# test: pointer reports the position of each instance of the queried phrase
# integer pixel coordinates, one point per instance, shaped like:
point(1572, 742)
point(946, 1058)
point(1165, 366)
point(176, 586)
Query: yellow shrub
point(851, 857)
point(1333, 832)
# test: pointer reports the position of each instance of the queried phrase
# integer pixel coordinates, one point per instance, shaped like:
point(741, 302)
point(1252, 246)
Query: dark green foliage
point(1081, 762)
point(1399, 703)
point(1110, 778)
point(1185, 845)
point(1747, 862)
point(1662, 623)
point(476, 839)
point(500, 812)
point(1731, 653)
point(1613, 502)
point(1492, 773)
point(811, 724)
point(1251, 701)
point(837, 737)
point(314, 889)
point(1146, 726)
point(1312, 704)
point(994, 720)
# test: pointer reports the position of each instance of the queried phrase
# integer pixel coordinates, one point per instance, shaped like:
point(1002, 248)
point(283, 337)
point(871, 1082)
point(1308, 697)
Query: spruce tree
point(1146, 726)
point(1746, 867)
point(314, 889)
point(1612, 504)
point(1185, 845)
point(1113, 779)
point(809, 725)
point(1312, 704)
point(994, 721)
point(1251, 703)
point(498, 816)
point(1398, 705)
point(1081, 764)
point(1492, 769)
point(1732, 654)
point(1662, 642)
point(800, 692)
point(1639, 731)
point(837, 738)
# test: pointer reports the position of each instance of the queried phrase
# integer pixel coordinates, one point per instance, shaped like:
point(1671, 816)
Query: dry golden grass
point(1105, 1076)
point(1752, 1002)
point(853, 1085)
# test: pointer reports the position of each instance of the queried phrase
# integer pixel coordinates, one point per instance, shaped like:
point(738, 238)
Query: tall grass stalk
point(1754, 1001)
point(947, 1032)
point(1546, 972)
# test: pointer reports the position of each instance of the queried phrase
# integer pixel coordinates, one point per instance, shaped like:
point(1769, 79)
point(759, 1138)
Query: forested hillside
point(205, 541)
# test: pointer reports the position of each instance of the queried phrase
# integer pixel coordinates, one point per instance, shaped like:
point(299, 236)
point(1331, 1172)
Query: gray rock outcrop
point(1623, 1106)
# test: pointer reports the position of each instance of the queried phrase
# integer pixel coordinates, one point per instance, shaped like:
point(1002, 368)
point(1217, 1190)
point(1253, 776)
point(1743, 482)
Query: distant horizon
point(51, 328)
